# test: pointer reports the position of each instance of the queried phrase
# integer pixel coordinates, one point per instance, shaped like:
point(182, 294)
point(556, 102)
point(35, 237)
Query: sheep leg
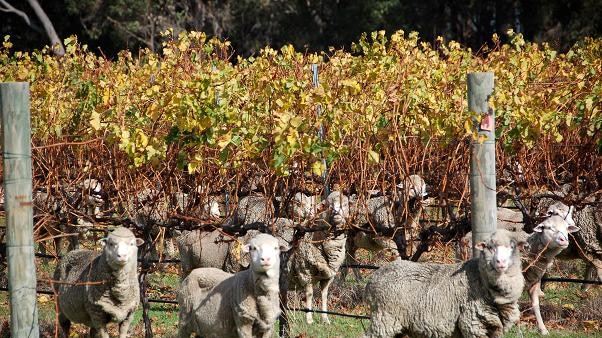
point(100, 332)
point(324, 285)
point(124, 326)
point(65, 325)
point(309, 301)
point(244, 328)
point(534, 293)
point(592, 272)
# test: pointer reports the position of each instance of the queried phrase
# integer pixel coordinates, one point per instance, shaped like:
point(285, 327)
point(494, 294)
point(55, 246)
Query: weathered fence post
point(482, 159)
point(16, 138)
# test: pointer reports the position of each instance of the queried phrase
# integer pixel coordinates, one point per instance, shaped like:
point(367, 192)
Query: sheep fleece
point(434, 300)
point(99, 292)
point(214, 301)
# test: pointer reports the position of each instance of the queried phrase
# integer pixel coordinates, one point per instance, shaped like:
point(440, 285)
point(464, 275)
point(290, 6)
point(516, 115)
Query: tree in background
point(313, 25)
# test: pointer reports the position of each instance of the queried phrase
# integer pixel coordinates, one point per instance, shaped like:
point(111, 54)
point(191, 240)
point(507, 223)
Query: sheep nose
point(501, 263)
point(562, 239)
point(265, 260)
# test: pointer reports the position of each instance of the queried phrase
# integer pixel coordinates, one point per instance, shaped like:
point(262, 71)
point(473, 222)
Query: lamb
point(477, 298)
point(549, 238)
point(97, 288)
point(319, 254)
point(214, 303)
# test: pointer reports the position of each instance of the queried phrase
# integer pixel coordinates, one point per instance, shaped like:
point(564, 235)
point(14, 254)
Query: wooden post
point(314, 72)
point(16, 138)
point(482, 159)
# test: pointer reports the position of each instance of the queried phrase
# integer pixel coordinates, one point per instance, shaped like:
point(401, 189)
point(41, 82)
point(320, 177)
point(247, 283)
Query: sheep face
point(121, 247)
point(413, 187)
point(304, 207)
point(555, 230)
point(336, 208)
point(264, 250)
point(500, 251)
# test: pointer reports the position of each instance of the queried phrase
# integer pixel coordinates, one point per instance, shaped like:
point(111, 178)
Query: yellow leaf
point(224, 141)
point(318, 168)
point(43, 299)
point(373, 157)
point(95, 120)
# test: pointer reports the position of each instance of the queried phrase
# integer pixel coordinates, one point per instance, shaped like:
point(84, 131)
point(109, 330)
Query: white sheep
point(320, 254)
point(477, 298)
point(549, 238)
point(214, 303)
point(97, 288)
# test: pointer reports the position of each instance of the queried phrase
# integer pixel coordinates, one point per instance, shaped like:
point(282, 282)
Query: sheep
point(72, 207)
point(548, 239)
point(384, 214)
point(217, 249)
point(477, 298)
point(506, 219)
point(204, 249)
point(97, 288)
point(214, 303)
point(251, 211)
point(319, 254)
point(588, 241)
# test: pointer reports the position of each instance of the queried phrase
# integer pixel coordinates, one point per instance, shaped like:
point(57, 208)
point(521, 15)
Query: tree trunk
point(57, 46)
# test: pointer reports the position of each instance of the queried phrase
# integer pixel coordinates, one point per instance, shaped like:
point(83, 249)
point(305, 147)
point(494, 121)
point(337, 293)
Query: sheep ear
point(246, 248)
point(103, 241)
point(284, 247)
point(139, 241)
point(522, 245)
point(538, 228)
point(573, 228)
point(480, 246)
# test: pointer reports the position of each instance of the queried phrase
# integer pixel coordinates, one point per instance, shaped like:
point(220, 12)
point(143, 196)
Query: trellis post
point(16, 138)
point(314, 72)
point(482, 159)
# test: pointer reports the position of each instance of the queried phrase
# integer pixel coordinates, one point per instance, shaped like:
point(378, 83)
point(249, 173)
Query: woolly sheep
point(549, 238)
point(251, 210)
point(96, 288)
point(477, 298)
point(382, 213)
point(588, 241)
point(215, 249)
point(320, 254)
point(214, 303)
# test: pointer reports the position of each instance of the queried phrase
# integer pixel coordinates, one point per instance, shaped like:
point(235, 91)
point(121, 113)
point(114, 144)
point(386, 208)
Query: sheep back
point(436, 300)
point(215, 303)
point(208, 249)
